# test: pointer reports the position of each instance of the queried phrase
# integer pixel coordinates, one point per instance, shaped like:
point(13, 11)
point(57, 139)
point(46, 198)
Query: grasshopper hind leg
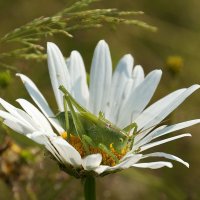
point(77, 122)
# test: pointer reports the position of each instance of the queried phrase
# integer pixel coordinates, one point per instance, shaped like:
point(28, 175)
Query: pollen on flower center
point(64, 135)
point(106, 159)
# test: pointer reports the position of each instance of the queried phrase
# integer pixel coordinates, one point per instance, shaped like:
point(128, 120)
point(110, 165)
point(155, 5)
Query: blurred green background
point(176, 45)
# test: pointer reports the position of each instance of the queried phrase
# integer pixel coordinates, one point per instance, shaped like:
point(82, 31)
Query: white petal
point(58, 72)
point(162, 108)
point(91, 162)
point(160, 132)
point(138, 76)
point(9, 119)
point(39, 137)
point(41, 102)
point(17, 113)
point(18, 127)
point(79, 87)
point(142, 134)
point(119, 81)
point(153, 144)
point(67, 152)
point(101, 169)
point(152, 111)
point(67, 62)
point(43, 139)
point(139, 98)
point(136, 79)
point(29, 121)
point(6, 115)
point(153, 165)
point(35, 114)
point(126, 163)
point(138, 143)
point(168, 156)
point(100, 78)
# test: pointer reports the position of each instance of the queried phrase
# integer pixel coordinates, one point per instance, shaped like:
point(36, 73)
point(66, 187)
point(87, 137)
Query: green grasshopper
point(94, 131)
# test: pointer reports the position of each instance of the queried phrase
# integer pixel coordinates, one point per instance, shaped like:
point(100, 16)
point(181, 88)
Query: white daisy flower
point(113, 113)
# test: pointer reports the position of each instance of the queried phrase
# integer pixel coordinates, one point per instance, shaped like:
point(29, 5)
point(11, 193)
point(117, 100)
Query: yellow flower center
point(106, 159)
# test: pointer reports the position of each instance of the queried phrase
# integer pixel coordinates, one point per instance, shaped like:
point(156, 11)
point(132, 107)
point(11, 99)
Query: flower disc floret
point(106, 159)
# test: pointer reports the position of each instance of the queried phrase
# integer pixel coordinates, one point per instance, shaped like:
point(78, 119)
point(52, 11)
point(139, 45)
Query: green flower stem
point(89, 188)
